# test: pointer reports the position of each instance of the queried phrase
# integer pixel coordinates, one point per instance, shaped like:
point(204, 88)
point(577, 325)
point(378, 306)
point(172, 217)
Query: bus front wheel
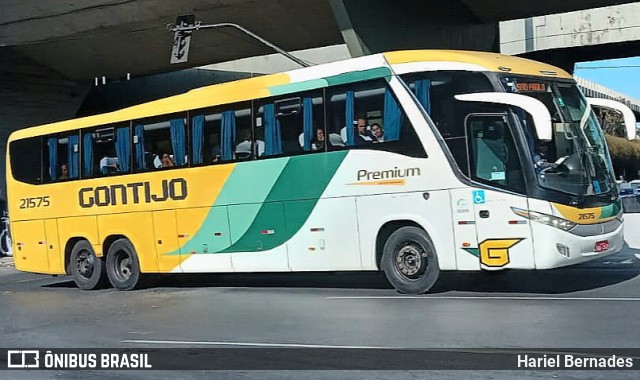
point(123, 267)
point(409, 260)
point(87, 270)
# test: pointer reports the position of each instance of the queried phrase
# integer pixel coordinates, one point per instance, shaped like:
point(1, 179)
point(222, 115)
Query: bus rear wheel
point(123, 267)
point(409, 260)
point(87, 270)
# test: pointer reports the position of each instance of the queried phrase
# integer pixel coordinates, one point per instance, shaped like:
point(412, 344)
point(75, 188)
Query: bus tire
point(123, 267)
point(86, 269)
point(409, 260)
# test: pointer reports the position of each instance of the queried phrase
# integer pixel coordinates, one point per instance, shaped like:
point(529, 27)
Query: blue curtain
point(307, 122)
point(123, 149)
point(228, 135)
point(53, 158)
point(349, 118)
point(392, 119)
point(272, 136)
point(423, 90)
point(178, 141)
point(73, 155)
point(197, 138)
point(87, 154)
point(140, 159)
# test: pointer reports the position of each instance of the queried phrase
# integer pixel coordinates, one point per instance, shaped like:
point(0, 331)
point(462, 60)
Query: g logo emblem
point(495, 252)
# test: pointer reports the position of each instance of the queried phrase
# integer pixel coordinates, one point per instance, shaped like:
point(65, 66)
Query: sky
point(622, 75)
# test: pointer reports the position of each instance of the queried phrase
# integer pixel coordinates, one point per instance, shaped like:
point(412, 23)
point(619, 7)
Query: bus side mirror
point(628, 116)
point(538, 111)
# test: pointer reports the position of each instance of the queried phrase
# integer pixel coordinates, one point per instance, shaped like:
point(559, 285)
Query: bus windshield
point(576, 160)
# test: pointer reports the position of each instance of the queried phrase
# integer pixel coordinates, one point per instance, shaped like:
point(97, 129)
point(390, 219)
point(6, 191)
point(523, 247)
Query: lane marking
point(435, 349)
point(251, 344)
point(506, 298)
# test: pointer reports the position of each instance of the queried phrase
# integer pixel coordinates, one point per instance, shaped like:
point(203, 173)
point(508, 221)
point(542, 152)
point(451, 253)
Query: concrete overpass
point(81, 39)
point(566, 38)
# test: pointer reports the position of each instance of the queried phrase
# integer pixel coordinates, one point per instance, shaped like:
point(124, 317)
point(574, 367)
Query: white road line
point(250, 344)
point(506, 298)
point(297, 345)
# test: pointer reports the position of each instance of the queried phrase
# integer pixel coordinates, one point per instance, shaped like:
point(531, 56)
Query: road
point(594, 305)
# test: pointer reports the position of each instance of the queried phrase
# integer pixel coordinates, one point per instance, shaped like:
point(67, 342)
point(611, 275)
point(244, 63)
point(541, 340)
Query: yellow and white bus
point(409, 162)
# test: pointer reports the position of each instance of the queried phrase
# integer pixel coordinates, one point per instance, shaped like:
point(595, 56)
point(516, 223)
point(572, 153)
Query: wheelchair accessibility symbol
point(478, 197)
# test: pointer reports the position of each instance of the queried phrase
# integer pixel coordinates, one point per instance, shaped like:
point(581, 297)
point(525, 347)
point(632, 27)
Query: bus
point(406, 162)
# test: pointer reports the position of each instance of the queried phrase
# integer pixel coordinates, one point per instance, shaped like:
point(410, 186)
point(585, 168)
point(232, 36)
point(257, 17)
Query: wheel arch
point(386, 229)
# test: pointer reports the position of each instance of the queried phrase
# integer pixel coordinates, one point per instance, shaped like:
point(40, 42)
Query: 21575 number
point(35, 202)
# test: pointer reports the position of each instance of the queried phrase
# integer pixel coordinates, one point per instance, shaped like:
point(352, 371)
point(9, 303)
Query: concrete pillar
point(373, 26)
point(31, 94)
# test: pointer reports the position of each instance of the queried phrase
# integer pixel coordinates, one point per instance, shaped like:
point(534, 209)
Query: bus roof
point(489, 61)
point(361, 68)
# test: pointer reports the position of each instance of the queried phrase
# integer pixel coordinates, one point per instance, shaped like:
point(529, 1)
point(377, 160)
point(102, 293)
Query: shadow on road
point(597, 274)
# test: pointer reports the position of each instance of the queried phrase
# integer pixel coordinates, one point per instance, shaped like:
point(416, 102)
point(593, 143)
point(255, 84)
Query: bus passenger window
point(289, 126)
point(62, 152)
point(106, 151)
point(26, 159)
point(160, 142)
point(368, 115)
point(220, 135)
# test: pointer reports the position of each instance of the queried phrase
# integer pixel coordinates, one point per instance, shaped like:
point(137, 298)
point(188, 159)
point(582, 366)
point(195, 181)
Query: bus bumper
point(557, 248)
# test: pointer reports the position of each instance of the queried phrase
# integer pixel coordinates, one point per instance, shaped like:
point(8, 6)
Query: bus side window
point(291, 125)
point(106, 151)
point(26, 159)
point(222, 134)
point(160, 142)
point(368, 115)
point(61, 157)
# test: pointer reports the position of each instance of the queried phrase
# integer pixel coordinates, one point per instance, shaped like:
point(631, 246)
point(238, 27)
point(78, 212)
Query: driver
point(541, 156)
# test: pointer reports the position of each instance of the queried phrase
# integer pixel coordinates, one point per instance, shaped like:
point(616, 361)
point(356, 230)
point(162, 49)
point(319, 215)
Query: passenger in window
point(216, 153)
point(244, 148)
point(109, 163)
point(363, 136)
point(64, 170)
point(378, 132)
point(167, 161)
point(318, 141)
point(150, 157)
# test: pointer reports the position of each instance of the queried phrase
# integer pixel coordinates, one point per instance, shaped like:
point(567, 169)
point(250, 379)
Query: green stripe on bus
point(611, 210)
point(290, 88)
point(246, 188)
point(304, 178)
point(357, 76)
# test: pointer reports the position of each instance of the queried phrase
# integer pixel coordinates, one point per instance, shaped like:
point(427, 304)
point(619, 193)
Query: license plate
point(601, 246)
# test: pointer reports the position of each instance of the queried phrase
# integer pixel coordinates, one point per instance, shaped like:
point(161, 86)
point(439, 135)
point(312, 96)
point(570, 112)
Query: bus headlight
point(549, 220)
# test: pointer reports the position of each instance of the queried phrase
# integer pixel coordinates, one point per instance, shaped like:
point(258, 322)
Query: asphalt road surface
point(594, 305)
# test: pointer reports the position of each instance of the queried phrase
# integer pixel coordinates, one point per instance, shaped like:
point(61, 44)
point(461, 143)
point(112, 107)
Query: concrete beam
point(373, 26)
point(601, 26)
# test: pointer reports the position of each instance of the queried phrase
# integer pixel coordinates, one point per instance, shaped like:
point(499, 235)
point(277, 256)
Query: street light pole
point(182, 31)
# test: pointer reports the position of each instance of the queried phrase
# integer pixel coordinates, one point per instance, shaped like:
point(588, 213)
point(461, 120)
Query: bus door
point(504, 239)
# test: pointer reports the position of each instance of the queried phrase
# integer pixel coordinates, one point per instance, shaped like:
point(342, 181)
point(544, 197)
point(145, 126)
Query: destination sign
point(531, 87)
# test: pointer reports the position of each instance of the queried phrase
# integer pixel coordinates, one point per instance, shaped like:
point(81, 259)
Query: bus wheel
point(409, 260)
point(87, 270)
point(123, 267)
